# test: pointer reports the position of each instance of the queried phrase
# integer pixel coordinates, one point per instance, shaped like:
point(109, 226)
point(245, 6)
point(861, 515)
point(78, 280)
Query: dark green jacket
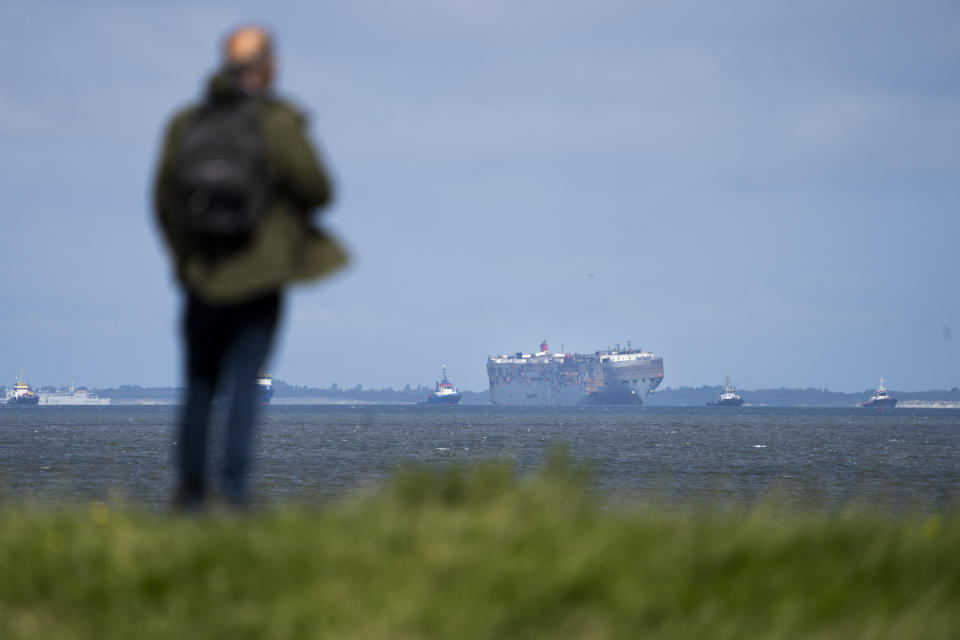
point(285, 246)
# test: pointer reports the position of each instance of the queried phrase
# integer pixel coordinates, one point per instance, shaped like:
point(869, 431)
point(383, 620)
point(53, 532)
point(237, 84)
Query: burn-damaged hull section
point(616, 376)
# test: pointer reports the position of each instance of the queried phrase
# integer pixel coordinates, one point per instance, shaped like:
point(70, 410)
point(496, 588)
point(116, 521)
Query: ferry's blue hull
point(264, 394)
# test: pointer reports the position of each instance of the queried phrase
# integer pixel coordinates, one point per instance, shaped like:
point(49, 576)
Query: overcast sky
point(765, 188)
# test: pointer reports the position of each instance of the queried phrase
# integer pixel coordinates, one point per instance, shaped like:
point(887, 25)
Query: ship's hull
point(70, 400)
point(726, 403)
point(264, 394)
point(23, 401)
point(569, 382)
point(881, 403)
point(446, 399)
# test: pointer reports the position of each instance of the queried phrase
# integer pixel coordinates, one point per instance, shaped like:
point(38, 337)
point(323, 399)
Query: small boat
point(881, 398)
point(728, 397)
point(445, 393)
point(21, 394)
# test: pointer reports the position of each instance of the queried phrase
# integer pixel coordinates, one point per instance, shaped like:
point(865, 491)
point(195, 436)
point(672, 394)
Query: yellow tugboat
point(22, 394)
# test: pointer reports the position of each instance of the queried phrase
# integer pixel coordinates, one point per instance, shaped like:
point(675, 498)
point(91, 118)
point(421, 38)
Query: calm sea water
point(903, 459)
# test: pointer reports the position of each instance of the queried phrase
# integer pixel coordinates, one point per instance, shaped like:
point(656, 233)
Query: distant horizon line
point(363, 388)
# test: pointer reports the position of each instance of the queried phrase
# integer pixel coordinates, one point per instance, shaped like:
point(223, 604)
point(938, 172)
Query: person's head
point(248, 53)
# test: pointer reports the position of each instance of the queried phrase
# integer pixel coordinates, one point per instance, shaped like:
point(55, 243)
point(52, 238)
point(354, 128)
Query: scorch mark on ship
point(614, 376)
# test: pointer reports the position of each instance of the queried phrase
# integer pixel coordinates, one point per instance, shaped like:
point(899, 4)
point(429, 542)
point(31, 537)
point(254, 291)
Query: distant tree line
point(809, 397)
point(386, 395)
point(282, 389)
point(136, 392)
point(669, 396)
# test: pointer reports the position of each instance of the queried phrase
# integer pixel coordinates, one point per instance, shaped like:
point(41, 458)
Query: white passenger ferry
point(72, 396)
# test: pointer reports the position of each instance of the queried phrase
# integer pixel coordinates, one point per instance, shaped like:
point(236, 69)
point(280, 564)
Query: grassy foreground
point(477, 553)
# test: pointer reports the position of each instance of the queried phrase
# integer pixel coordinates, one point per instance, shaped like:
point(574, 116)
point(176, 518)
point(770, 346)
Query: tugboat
point(444, 393)
point(728, 398)
point(264, 388)
point(21, 394)
point(881, 398)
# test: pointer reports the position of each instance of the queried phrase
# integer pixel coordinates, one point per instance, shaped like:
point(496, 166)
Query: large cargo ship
point(621, 375)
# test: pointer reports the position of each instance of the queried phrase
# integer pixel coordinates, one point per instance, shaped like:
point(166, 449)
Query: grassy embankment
point(478, 553)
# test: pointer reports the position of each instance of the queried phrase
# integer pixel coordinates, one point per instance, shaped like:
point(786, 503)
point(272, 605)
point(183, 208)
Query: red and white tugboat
point(445, 393)
point(881, 398)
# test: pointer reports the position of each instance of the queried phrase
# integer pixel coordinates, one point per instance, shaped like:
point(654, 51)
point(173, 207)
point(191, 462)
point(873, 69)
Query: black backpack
point(222, 178)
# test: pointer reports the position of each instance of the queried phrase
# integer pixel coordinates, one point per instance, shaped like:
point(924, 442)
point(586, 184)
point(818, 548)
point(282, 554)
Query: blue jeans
point(224, 343)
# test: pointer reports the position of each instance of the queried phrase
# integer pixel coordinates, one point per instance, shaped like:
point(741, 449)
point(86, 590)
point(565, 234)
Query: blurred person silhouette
point(234, 193)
